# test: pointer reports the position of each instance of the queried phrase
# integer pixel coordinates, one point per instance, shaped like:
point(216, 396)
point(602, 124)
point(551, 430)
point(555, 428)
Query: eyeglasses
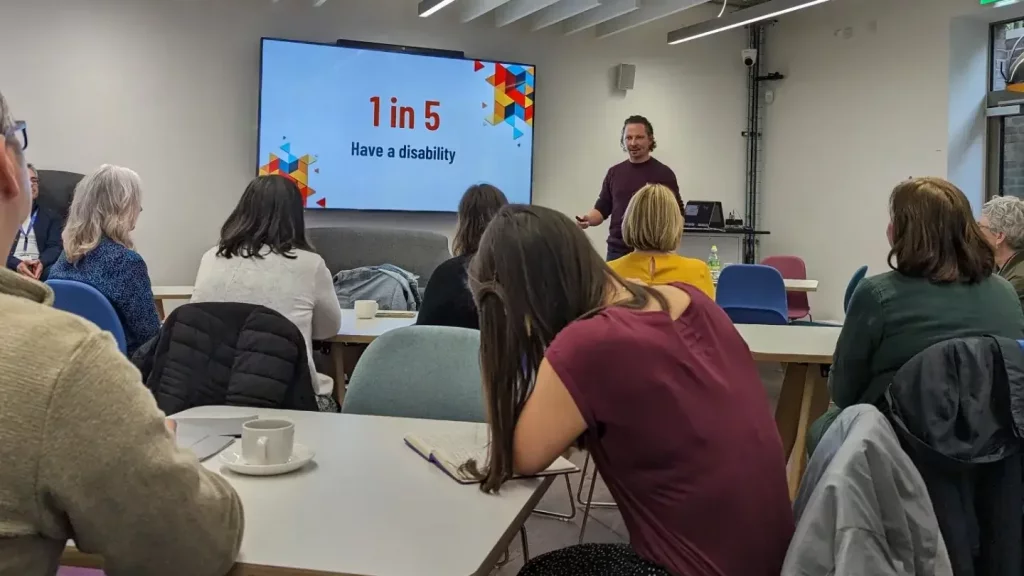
point(19, 134)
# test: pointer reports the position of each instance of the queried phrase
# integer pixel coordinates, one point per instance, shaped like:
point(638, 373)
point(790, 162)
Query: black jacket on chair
point(227, 354)
point(958, 408)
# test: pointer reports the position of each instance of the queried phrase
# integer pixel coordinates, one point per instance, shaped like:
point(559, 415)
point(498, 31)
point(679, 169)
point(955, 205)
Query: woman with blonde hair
point(98, 249)
point(652, 228)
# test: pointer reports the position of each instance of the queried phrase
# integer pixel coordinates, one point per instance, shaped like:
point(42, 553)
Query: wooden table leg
point(160, 309)
point(338, 358)
point(813, 404)
point(787, 411)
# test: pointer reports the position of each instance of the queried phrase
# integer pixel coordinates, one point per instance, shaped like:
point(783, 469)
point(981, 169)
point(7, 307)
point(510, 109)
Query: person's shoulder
point(998, 285)
point(27, 324)
point(661, 166)
point(597, 334)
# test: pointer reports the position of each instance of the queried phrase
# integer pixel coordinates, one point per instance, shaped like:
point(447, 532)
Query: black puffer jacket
point(227, 354)
point(958, 408)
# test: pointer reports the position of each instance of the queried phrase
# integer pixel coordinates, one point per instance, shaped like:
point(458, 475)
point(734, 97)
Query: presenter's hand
point(582, 222)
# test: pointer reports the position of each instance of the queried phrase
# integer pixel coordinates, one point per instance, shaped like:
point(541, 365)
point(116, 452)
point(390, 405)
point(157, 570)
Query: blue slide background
point(317, 98)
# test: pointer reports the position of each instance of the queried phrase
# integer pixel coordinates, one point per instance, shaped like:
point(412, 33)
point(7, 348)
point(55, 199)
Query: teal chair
point(852, 286)
point(427, 372)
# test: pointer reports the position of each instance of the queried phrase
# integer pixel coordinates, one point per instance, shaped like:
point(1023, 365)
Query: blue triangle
point(516, 133)
point(287, 147)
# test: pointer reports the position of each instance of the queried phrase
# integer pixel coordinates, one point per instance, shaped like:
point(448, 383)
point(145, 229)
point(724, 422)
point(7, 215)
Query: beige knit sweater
point(85, 455)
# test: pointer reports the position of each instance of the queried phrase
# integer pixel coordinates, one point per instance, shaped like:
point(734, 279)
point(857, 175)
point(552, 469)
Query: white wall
point(170, 88)
point(902, 97)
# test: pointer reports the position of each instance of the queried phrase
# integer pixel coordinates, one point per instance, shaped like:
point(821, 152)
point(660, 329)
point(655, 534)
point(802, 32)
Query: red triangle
point(478, 66)
point(322, 202)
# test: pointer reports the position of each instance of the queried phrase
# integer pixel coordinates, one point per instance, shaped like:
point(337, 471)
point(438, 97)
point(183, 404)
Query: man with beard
point(625, 179)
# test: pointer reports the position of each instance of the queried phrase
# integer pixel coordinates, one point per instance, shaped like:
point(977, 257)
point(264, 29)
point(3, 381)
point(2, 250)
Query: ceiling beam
point(650, 11)
point(519, 9)
point(560, 11)
point(473, 9)
point(608, 10)
point(740, 18)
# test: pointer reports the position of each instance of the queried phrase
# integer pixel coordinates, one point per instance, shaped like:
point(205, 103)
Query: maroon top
point(680, 428)
point(621, 183)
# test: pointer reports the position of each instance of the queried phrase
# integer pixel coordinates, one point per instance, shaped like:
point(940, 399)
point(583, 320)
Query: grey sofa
point(348, 247)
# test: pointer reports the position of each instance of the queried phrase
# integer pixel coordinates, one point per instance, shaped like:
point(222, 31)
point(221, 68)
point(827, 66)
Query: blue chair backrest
point(428, 372)
point(852, 286)
point(753, 294)
point(83, 300)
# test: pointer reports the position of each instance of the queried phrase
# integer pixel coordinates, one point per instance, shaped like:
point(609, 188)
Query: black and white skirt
point(592, 560)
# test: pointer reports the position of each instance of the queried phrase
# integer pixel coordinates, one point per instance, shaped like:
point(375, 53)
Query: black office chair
point(56, 190)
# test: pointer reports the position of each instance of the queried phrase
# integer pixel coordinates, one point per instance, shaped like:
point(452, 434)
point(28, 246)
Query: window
point(1006, 110)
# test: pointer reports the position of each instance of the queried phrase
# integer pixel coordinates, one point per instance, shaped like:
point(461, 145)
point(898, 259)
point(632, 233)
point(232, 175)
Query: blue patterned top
point(121, 275)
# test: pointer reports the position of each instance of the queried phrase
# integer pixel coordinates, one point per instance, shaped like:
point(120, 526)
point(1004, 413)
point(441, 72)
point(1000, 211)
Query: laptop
point(704, 214)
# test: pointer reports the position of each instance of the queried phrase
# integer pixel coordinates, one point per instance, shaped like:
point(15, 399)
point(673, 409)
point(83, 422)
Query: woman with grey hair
point(1002, 225)
point(98, 249)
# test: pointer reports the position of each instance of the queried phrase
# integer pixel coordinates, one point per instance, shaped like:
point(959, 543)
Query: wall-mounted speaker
point(625, 76)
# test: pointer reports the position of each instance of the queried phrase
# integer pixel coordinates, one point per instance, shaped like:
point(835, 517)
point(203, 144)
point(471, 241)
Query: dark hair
point(270, 214)
point(934, 234)
point(535, 273)
point(476, 210)
point(637, 119)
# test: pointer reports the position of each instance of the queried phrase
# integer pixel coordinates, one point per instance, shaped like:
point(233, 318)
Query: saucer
point(231, 457)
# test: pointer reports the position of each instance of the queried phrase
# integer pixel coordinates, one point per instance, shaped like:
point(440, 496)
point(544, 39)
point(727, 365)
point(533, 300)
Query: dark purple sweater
point(621, 183)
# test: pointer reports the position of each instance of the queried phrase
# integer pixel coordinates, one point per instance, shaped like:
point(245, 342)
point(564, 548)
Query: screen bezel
point(391, 49)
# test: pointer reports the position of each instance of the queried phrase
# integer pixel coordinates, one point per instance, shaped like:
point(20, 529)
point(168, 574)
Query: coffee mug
point(267, 442)
point(366, 309)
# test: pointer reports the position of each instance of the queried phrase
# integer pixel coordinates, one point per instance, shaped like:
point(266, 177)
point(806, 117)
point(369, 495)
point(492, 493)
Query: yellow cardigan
point(657, 269)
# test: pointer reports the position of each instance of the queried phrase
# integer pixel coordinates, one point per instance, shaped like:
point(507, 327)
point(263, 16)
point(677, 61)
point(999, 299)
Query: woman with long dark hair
point(447, 300)
point(655, 381)
point(264, 258)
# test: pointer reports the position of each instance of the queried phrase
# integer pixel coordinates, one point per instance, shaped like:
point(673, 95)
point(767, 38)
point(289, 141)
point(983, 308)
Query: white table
point(370, 506)
point(804, 351)
point(356, 331)
point(801, 285)
point(161, 293)
point(796, 285)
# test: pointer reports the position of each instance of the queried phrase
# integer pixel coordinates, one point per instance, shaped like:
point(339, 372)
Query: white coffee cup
point(366, 309)
point(267, 441)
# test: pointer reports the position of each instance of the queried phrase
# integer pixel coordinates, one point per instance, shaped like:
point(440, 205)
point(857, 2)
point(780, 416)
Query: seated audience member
point(655, 381)
point(37, 244)
point(652, 228)
point(98, 249)
point(264, 258)
point(1002, 225)
point(85, 451)
point(942, 285)
point(447, 300)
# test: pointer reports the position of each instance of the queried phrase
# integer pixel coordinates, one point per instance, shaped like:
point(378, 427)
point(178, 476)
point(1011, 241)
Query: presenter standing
point(625, 179)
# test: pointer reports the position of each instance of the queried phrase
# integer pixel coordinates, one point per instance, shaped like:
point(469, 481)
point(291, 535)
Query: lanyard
point(31, 225)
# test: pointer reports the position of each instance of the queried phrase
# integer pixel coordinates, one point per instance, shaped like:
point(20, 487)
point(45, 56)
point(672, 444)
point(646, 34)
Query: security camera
point(749, 57)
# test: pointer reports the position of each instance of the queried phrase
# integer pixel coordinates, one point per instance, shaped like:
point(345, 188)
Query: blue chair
point(428, 372)
point(852, 286)
point(753, 294)
point(83, 300)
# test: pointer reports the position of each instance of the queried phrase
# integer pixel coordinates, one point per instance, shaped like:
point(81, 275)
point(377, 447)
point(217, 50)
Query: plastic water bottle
point(714, 264)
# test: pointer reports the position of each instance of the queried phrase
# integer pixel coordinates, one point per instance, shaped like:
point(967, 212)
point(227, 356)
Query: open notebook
point(449, 453)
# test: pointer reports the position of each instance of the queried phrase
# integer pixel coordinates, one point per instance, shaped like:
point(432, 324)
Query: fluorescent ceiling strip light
point(751, 20)
point(430, 7)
